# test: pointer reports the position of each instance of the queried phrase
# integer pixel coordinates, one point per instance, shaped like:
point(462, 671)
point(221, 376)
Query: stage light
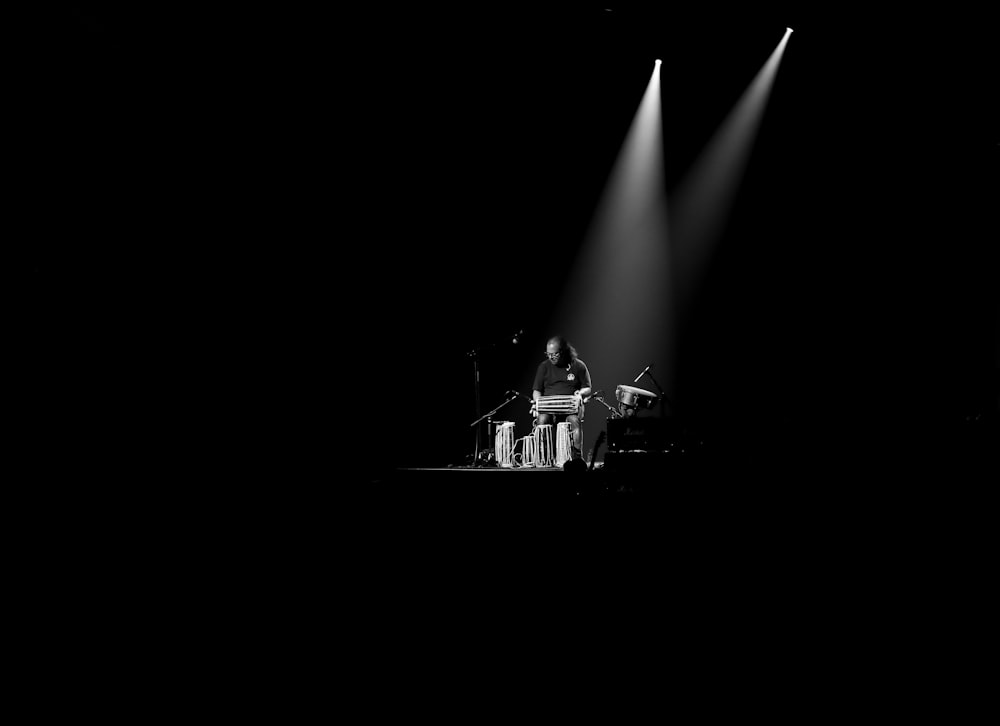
point(789, 30)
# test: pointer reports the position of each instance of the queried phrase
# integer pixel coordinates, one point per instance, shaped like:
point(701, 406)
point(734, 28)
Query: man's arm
point(538, 384)
point(585, 384)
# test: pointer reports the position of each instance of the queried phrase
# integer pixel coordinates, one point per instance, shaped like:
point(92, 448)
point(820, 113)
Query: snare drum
point(632, 397)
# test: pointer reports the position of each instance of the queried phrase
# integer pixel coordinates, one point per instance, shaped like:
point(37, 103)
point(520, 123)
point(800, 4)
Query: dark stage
point(270, 266)
point(266, 242)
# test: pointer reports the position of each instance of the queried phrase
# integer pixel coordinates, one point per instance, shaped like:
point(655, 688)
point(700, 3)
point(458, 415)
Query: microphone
point(643, 373)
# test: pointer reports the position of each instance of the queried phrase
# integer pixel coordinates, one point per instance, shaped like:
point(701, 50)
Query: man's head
point(559, 351)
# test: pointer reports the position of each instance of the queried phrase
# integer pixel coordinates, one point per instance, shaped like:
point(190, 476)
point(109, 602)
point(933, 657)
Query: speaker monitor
point(640, 433)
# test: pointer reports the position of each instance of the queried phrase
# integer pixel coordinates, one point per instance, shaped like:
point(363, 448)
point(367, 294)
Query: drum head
point(638, 391)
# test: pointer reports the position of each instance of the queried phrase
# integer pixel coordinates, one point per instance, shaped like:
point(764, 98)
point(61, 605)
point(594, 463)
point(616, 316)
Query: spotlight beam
point(704, 199)
point(616, 304)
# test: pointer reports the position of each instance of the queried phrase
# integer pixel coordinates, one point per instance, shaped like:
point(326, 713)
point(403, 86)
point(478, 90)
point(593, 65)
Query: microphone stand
point(512, 396)
point(474, 354)
point(614, 412)
point(663, 396)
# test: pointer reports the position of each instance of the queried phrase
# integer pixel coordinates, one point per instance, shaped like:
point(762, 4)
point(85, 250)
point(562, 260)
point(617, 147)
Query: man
point(562, 373)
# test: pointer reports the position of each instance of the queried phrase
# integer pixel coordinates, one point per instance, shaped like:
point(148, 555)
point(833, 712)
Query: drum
point(564, 446)
point(557, 404)
point(504, 445)
point(527, 456)
point(545, 454)
point(632, 397)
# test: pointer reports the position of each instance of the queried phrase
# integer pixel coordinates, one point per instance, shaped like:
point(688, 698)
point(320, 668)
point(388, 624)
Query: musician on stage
point(562, 373)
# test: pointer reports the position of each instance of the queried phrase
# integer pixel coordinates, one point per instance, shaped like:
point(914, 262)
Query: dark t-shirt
point(553, 380)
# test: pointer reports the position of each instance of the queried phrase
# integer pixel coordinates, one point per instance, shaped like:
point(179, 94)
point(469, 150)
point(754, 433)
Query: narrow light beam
point(704, 199)
point(616, 304)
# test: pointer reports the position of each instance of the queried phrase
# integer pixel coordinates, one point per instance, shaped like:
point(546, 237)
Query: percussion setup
point(547, 446)
point(550, 445)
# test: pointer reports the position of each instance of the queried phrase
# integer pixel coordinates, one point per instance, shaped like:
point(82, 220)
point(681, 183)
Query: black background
point(250, 251)
point(267, 236)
